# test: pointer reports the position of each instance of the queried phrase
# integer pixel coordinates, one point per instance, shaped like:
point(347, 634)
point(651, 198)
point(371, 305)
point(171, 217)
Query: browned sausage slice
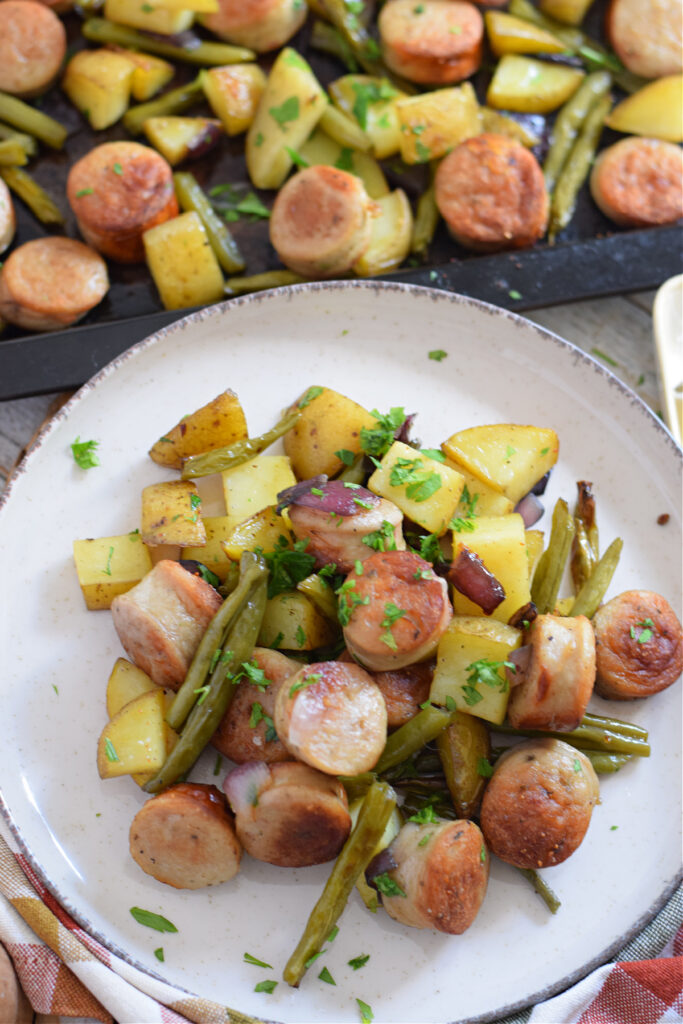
point(554, 674)
point(491, 193)
point(32, 47)
point(638, 183)
point(404, 690)
point(639, 645)
point(441, 872)
point(395, 611)
point(118, 191)
point(332, 716)
point(259, 24)
point(340, 539)
point(321, 220)
point(51, 282)
point(538, 805)
point(435, 42)
point(288, 814)
point(247, 730)
point(184, 837)
point(161, 620)
point(646, 35)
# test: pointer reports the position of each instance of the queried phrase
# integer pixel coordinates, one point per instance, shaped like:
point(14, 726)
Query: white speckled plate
point(371, 342)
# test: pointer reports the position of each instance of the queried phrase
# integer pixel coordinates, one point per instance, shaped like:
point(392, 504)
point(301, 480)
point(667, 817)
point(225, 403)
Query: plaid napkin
point(67, 974)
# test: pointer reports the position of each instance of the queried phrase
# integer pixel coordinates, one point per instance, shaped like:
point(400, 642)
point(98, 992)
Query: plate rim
point(285, 293)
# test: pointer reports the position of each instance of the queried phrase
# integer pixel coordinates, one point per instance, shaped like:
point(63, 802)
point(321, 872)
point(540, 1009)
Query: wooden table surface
point(616, 330)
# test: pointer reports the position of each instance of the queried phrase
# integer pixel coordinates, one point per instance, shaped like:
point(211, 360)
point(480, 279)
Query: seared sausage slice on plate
point(51, 282)
point(646, 35)
point(259, 24)
point(436, 42)
point(185, 837)
point(637, 182)
point(32, 47)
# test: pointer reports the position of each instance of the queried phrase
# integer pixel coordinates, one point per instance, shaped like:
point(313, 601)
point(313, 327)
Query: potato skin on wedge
point(185, 837)
point(218, 423)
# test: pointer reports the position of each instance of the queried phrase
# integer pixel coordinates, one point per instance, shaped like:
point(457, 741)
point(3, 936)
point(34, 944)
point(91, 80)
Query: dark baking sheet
point(591, 258)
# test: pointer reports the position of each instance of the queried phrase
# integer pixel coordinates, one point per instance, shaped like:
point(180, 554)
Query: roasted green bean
point(615, 725)
point(241, 451)
point(582, 558)
point(37, 200)
point(27, 119)
point(605, 764)
point(542, 888)
point(213, 640)
point(568, 123)
point(205, 717)
point(355, 855)
point(425, 223)
point(411, 737)
point(328, 39)
point(344, 129)
point(588, 737)
point(575, 171)
point(99, 30)
point(173, 102)
point(12, 154)
point(545, 585)
point(27, 142)
point(259, 282)
point(191, 197)
point(589, 598)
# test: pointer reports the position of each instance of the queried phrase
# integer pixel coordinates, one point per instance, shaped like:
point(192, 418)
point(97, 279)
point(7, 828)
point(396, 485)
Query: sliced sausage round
point(435, 42)
point(639, 645)
point(433, 876)
point(247, 729)
point(51, 282)
point(8, 220)
point(538, 805)
point(321, 220)
point(259, 24)
point(340, 539)
point(332, 716)
point(646, 35)
point(118, 191)
point(404, 690)
point(32, 47)
point(554, 674)
point(637, 182)
point(185, 837)
point(161, 620)
point(491, 193)
point(395, 611)
point(288, 814)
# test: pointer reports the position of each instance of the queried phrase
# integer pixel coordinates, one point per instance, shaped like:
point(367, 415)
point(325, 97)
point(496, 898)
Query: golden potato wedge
point(372, 102)
point(264, 529)
point(234, 93)
point(295, 623)
point(182, 262)
point(570, 12)
point(150, 73)
point(509, 457)
point(329, 423)
point(134, 740)
point(435, 122)
point(655, 111)
point(218, 423)
point(508, 34)
point(151, 17)
point(426, 491)
point(108, 566)
point(390, 235)
point(212, 554)
point(531, 86)
point(125, 683)
point(98, 83)
point(255, 485)
point(478, 498)
point(500, 542)
point(534, 548)
point(171, 514)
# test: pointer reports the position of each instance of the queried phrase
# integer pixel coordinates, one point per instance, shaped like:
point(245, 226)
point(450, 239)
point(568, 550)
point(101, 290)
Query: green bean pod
point(542, 888)
point(355, 855)
point(575, 171)
point(204, 718)
point(461, 745)
point(213, 640)
point(259, 282)
point(173, 102)
point(12, 154)
point(585, 510)
point(425, 223)
point(191, 197)
point(582, 558)
point(99, 30)
point(355, 473)
point(605, 764)
point(411, 737)
point(587, 737)
point(615, 725)
point(27, 119)
point(328, 39)
point(27, 142)
point(569, 121)
point(234, 455)
point(357, 786)
point(590, 597)
point(35, 197)
point(545, 585)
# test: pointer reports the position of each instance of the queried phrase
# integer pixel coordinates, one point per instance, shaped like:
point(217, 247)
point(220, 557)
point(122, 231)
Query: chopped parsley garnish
point(250, 671)
point(484, 768)
point(218, 765)
point(577, 765)
point(300, 636)
point(366, 1014)
point(429, 548)
point(297, 158)
point(287, 566)
point(367, 94)
point(487, 672)
point(509, 451)
point(333, 934)
point(645, 634)
point(419, 9)
point(258, 141)
point(437, 354)
point(265, 986)
point(117, 169)
point(378, 439)
point(84, 192)
point(231, 204)
point(605, 358)
point(306, 681)
point(203, 692)
point(249, 959)
point(383, 539)
point(351, 486)
point(259, 715)
point(425, 839)
point(195, 502)
point(465, 522)
point(327, 977)
point(345, 456)
point(150, 920)
point(208, 576)
point(84, 453)
point(55, 688)
point(110, 750)
point(277, 641)
point(422, 574)
point(159, 954)
point(425, 816)
point(312, 959)
point(107, 568)
point(515, 295)
point(312, 393)
point(318, 492)
point(420, 483)
point(613, 828)
point(450, 704)
point(358, 567)
point(348, 600)
point(287, 111)
point(359, 961)
point(423, 152)
point(362, 503)
point(392, 613)
point(433, 453)
point(387, 886)
point(344, 161)
point(482, 855)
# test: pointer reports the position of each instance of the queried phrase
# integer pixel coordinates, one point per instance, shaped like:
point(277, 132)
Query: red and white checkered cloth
point(65, 973)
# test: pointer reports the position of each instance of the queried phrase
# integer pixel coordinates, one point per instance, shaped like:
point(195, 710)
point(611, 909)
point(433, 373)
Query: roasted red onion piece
point(470, 577)
point(335, 497)
point(530, 509)
point(403, 432)
point(540, 485)
point(524, 616)
point(381, 863)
